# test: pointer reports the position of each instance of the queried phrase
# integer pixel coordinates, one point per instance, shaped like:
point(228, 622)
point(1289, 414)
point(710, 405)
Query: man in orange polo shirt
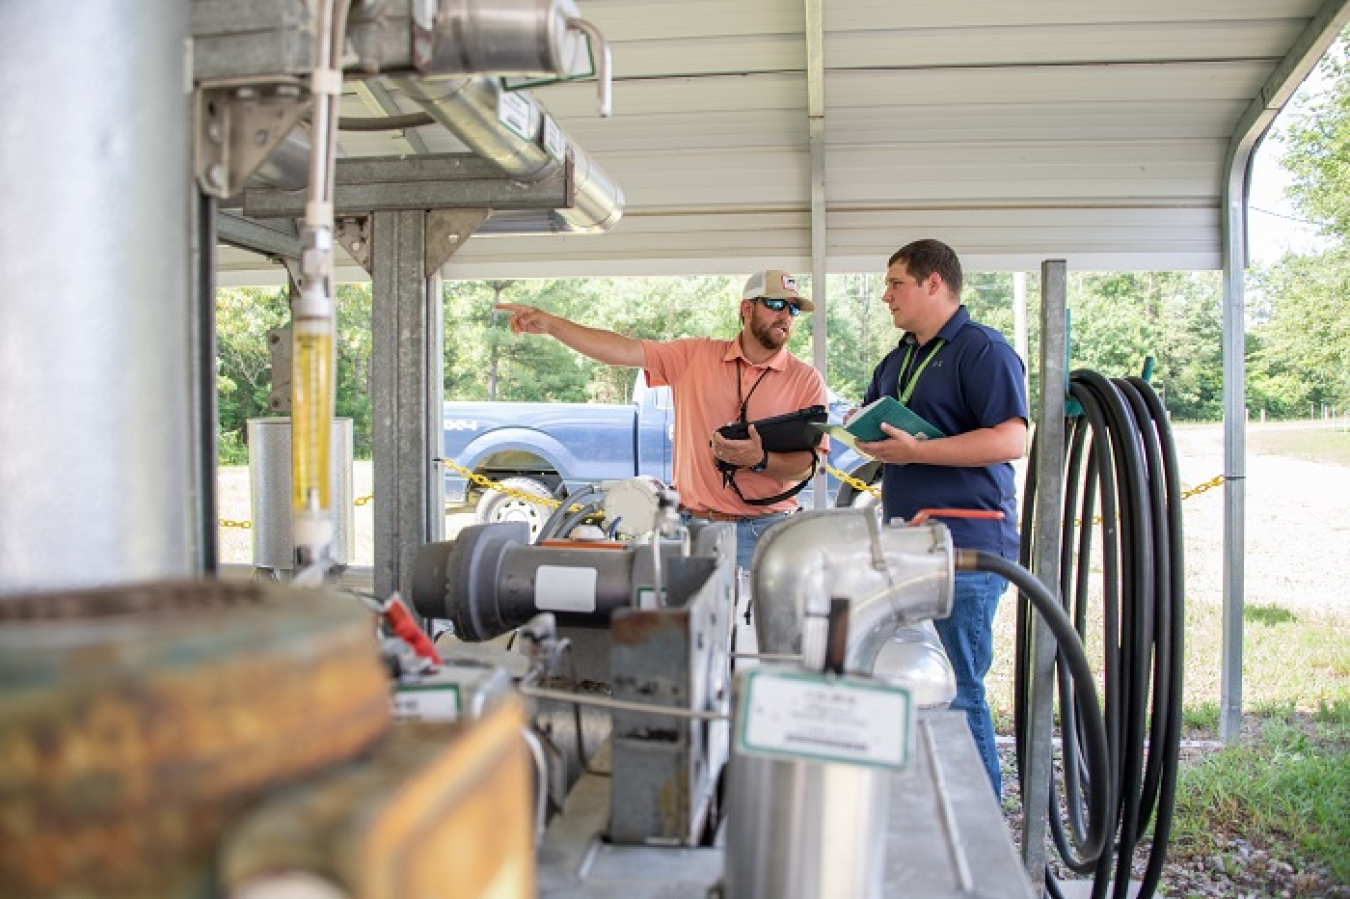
point(715, 382)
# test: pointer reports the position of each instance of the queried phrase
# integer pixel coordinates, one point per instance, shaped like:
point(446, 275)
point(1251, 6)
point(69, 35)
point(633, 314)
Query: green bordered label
point(827, 719)
point(513, 111)
point(426, 702)
point(553, 139)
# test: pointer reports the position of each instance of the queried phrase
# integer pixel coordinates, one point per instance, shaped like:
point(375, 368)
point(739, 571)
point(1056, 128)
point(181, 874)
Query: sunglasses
point(775, 305)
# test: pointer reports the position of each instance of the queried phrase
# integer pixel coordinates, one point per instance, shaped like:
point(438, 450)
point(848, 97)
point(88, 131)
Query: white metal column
point(96, 448)
point(1321, 32)
point(815, 119)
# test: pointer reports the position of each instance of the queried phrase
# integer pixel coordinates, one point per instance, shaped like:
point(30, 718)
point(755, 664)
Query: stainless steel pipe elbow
point(894, 576)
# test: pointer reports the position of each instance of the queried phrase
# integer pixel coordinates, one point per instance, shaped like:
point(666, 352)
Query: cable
point(552, 525)
point(1119, 454)
point(587, 509)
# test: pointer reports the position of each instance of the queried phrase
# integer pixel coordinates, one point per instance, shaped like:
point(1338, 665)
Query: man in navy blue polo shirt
point(966, 380)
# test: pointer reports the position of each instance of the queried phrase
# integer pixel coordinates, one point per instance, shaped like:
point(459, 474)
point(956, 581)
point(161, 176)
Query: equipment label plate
point(513, 111)
point(427, 703)
point(553, 139)
point(828, 719)
point(558, 588)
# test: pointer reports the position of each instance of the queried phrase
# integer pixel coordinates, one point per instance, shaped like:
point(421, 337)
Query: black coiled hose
point(1119, 452)
point(1077, 669)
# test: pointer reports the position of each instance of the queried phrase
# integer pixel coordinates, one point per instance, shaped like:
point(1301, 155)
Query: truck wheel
point(497, 506)
point(847, 497)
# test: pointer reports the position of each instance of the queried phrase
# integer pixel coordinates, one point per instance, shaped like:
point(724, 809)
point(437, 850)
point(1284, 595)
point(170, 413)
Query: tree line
point(1298, 318)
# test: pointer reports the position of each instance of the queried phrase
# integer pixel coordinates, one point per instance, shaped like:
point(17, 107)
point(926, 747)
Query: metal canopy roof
point(1096, 131)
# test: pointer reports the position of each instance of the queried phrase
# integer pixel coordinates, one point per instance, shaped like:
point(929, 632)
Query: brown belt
point(722, 516)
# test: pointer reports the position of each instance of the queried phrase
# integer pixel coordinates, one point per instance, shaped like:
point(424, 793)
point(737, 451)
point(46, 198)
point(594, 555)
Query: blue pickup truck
point(553, 449)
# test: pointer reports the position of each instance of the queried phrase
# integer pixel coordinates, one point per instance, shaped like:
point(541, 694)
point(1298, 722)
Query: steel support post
point(1036, 737)
point(1234, 452)
point(407, 388)
point(206, 412)
point(815, 97)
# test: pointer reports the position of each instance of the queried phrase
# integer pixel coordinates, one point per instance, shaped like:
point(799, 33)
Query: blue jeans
point(968, 637)
point(748, 533)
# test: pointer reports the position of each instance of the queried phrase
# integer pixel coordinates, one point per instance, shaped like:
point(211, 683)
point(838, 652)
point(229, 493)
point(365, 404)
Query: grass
point(1302, 657)
point(1311, 442)
point(1285, 787)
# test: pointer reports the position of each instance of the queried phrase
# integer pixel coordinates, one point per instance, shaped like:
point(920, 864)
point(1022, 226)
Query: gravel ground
point(1297, 524)
point(1297, 532)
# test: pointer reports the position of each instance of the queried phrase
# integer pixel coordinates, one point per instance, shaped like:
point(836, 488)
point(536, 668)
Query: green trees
point(1298, 318)
point(484, 361)
point(1301, 304)
point(244, 315)
point(1175, 318)
point(1296, 360)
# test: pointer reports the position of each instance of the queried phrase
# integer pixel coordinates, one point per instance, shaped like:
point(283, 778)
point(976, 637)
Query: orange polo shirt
point(702, 375)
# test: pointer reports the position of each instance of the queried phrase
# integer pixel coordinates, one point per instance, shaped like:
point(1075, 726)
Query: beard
point(767, 336)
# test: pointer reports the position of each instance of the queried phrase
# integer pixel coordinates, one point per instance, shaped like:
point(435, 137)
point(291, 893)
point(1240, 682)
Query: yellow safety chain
point(1213, 482)
point(489, 484)
point(246, 525)
point(856, 483)
point(1216, 481)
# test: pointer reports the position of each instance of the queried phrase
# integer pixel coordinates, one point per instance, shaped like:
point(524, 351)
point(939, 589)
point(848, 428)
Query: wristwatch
point(762, 464)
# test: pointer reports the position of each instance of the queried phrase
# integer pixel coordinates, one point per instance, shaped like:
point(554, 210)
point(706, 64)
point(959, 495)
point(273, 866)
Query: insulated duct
point(511, 129)
point(287, 166)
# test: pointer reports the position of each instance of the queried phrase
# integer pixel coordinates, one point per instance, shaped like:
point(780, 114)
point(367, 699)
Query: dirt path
point(1297, 525)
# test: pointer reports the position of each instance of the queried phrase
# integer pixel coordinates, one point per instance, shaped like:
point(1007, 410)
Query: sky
point(1273, 225)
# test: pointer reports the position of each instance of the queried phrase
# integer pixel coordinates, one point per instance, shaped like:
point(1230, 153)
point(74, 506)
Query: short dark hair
point(924, 257)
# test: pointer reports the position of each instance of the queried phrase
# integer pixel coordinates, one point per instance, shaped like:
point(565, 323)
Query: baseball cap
point(775, 285)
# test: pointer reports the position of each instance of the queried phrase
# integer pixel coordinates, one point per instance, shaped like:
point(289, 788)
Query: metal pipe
point(528, 145)
point(604, 68)
point(535, 745)
point(874, 619)
point(287, 166)
point(521, 37)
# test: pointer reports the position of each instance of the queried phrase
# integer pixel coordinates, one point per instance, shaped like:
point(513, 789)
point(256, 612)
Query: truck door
point(654, 429)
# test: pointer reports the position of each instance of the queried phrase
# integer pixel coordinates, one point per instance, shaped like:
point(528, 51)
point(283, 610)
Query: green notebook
point(866, 424)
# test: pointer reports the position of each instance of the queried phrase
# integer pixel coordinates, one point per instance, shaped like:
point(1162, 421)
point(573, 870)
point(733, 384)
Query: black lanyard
point(745, 402)
point(906, 381)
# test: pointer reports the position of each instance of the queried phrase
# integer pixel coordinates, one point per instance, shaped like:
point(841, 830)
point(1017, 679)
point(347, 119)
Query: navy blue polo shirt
point(974, 380)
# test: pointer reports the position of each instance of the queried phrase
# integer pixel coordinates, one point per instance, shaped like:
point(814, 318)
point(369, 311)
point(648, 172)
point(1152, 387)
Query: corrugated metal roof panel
point(1081, 129)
